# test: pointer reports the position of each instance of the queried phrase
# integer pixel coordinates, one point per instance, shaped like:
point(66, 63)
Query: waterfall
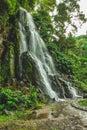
point(71, 88)
point(37, 50)
point(33, 44)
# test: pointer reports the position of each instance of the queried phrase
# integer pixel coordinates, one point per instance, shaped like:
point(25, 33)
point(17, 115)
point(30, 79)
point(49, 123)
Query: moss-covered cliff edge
point(9, 39)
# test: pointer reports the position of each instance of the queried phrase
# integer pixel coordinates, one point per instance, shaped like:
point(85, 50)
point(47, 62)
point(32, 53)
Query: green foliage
point(62, 61)
point(27, 4)
point(65, 64)
point(47, 4)
point(80, 84)
point(6, 99)
point(44, 25)
point(63, 20)
point(8, 13)
point(24, 3)
point(70, 54)
point(83, 103)
point(81, 46)
point(9, 6)
point(5, 70)
point(79, 57)
point(11, 100)
point(53, 107)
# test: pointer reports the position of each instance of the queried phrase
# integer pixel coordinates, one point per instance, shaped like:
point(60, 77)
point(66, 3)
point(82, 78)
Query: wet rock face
point(28, 68)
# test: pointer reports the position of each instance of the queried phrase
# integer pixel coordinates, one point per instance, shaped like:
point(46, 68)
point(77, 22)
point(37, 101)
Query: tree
point(67, 12)
point(81, 45)
point(56, 25)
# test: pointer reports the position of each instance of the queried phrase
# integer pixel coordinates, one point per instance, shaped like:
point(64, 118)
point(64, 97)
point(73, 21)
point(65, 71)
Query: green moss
point(5, 65)
point(5, 118)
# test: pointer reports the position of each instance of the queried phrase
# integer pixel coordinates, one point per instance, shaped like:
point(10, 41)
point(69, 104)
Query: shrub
point(83, 103)
point(11, 100)
point(63, 63)
point(9, 6)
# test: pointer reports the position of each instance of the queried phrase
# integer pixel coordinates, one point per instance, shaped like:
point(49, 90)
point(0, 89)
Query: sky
point(83, 7)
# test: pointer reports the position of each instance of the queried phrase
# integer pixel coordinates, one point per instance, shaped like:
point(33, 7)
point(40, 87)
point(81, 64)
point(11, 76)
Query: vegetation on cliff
point(69, 52)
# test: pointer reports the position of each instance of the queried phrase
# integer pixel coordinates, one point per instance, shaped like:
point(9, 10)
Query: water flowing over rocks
point(45, 73)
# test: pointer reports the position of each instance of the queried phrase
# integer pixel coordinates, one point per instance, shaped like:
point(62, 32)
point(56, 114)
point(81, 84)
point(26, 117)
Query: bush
point(11, 100)
point(83, 103)
point(8, 7)
point(63, 63)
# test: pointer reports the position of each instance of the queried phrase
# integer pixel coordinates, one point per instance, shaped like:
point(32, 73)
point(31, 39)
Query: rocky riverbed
point(55, 116)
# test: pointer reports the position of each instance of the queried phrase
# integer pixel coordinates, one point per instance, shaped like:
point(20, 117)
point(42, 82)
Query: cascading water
point(31, 42)
point(37, 50)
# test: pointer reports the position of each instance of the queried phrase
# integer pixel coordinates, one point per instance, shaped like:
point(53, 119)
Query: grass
point(83, 103)
point(13, 117)
point(5, 120)
point(53, 107)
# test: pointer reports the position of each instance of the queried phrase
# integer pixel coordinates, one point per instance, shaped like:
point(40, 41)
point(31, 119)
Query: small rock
point(85, 125)
point(22, 83)
point(78, 127)
point(9, 113)
point(25, 90)
point(73, 128)
point(61, 115)
point(54, 114)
